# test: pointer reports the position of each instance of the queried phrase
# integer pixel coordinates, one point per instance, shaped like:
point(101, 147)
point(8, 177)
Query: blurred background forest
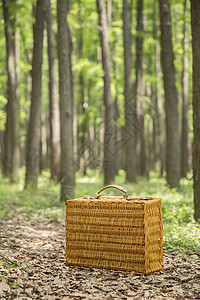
point(97, 86)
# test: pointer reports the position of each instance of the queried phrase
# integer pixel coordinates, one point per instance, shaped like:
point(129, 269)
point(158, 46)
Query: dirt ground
point(32, 266)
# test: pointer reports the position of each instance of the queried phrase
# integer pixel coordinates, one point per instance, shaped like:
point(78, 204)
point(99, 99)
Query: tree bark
point(140, 89)
point(1, 148)
point(73, 103)
point(83, 103)
point(185, 80)
point(109, 11)
point(117, 139)
point(171, 98)
point(151, 143)
point(33, 145)
point(44, 143)
point(159, 100)
point(11, 159)
point(130, 149)
point(109, 151)
point(195, 22)
point(54, 101)
point(66, 109)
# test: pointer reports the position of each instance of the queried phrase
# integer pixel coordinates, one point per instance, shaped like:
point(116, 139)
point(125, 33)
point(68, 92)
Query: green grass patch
point(180, 230)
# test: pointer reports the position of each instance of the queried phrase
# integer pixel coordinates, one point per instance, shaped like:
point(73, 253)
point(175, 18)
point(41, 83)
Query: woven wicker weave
point(115, 232)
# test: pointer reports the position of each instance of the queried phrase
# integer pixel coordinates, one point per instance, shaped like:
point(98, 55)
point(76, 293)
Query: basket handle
point(115, 186)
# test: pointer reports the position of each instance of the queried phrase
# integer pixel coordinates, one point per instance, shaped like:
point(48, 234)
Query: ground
point(32, 266)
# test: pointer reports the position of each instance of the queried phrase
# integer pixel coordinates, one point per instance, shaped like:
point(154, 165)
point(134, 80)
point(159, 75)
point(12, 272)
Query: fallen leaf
point(196, 286)
point(147, 294)
point(28, 290)
point(4, 287)
point(165, 290)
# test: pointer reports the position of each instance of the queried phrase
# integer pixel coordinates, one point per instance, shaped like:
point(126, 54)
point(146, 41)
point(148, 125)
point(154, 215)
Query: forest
point(94, 93)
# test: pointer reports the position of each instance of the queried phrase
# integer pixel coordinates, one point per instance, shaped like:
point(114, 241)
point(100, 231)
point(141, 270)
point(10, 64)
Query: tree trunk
point(11, 159)
point(73, 103)
point(130, 150)
point(66, 109)
point(101, 140)
point(26, 107)
point(185, 80)
point(17, 57)
point(114, 65)
point(83, 104)
point(2, 148)
point(159, 101)
point(33, 145)
point(117, 130)
point(84, 135)
point(195, 22)
point(140, 89)
point(151, 144)
point(43, 143)
point(109, 153)
point(171, 98)
point(109, 11)
point(54, 101)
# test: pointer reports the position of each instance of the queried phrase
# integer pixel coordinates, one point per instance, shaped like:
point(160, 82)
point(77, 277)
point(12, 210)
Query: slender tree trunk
point(73, 103)
point(109, 151)
point(1, 148)
point(44, 143)
point(140, 89)
point(159, 101)
point(75, 130)
point(118, 148)
point(130, 149)
point(33, 145)
point(18, 73)
point(54, 101)
point(79, 41)
point(109, 11)
point(94, 157)
point(84, 138)
point(11, 159)
point(150, 142)
point(66, 109)
point(152, 149)
point(101, 140)
point(7, 164)
point(83, 127)
point(195, 22)
point(114, 66)
point(17, 56)
point(171, 98)
point(27, 95)
point(185, 80)
point(83, 103)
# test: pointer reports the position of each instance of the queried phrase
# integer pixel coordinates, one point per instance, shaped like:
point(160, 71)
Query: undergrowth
point(180, 230)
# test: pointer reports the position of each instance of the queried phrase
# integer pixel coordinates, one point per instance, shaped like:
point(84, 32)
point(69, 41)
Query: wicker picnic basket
point(121, 233)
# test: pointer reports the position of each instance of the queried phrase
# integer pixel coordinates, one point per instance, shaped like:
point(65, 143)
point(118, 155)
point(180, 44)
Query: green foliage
point(28, 203)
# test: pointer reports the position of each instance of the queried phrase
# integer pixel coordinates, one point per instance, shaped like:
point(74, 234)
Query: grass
point(180, 230)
